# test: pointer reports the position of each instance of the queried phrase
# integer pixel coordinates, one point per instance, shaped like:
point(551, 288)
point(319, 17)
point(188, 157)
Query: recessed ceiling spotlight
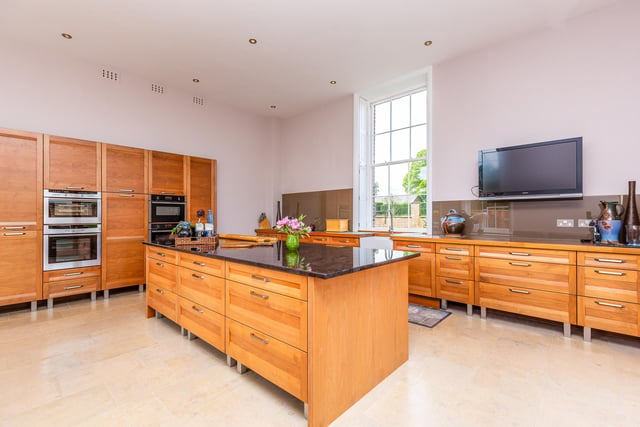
point(273, 107)
point(333, 82)
point(428, 43)
point(196, 80)
point(253, 41)
point(66, 36)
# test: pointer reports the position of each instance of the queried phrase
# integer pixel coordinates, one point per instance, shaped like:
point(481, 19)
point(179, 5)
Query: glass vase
point(293, 242)
point(292, 258)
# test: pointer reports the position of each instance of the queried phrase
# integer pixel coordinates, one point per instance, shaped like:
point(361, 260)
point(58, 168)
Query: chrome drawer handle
point(161, 254)
point(74, 274)
point(611, 273)
point(201, 264)
point(455, 258)
point(197, 276)
point(255, 294)
point(262, 340)
point(66, 288)
point(159, 264)
point(128, 190)
point(519, 254)
point(160, 291)
point(518, 291)
point(13, 234)
point(617, 261)
point(608, 304)
point(318, 239)
point(167, 192)
point(413, 246)
point(12, 227)
point(194, 308)
point(74, 188)
point(454, 249)
point(264, 279)
point(126, 195)
point(344, 241)
point(455, 282)
point(520, 264)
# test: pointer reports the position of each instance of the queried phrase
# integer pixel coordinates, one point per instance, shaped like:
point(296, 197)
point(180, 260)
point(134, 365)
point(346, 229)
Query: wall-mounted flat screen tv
point(544, 170)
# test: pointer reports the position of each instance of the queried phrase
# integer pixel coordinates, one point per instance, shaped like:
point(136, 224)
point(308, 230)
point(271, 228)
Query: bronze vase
point(631, 219)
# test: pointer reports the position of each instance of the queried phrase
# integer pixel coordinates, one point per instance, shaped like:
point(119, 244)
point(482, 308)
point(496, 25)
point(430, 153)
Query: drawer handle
point(128, 190)
point(617, 261)
point(455, 282)
point(194, 308)
point(197, 276)
point(519, 254)
point(454, 249)
point(611, 273)
point(255, 294)
point(66, 288)
point(518, 291)
point(74, 274)
point(520, 264)
point(14, 234)
point(262, 340)
point(70, 187)
point(159, 264)
point(414, 246)
point(344, 241)
point(160, 291)
point(318, 239)
point(264, 279)
point(126, 195)
point(456, 258)
point(201, 264)
point(14, 227)
point(608, 304)
point(167, 192)
point(161, 254)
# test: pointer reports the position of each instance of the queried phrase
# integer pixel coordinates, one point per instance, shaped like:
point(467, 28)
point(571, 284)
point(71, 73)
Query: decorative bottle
point(631, 219)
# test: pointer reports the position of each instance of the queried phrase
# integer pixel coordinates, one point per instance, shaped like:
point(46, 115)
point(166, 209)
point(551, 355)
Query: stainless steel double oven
point(72, 229)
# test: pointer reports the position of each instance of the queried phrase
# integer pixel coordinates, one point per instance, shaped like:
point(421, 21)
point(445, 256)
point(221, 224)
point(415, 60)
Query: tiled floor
point(105, 364)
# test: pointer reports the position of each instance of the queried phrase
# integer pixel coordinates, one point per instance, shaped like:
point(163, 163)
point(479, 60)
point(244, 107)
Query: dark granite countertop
point(313, 260)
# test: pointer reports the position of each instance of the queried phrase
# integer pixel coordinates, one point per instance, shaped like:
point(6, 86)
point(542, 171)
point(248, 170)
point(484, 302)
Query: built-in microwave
point(165, 208)
point(71, 246)
point(72, 207)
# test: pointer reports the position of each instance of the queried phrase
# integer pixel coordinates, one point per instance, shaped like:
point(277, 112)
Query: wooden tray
point(211, 240)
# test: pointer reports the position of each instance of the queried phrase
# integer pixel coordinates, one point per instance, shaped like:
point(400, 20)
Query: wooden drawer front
point(546, 305)
point(457, 290)
point(288, 284)
point(202, 322)
point(163, 301)
point(161, 254)
point(535, 275)
point(611, 316)
point(443, 248)
point(202, 288)
point(527, 255)
point(402, 245)
point(457, 266)
point(215, 267)
point(604, 260)
point(608, 283)
point(281, 317)
point(344, 241)
point(61, 288)
point(162, 274)
point(283, 365)
point(71, 273)
point(323, 240)
point(422, 275)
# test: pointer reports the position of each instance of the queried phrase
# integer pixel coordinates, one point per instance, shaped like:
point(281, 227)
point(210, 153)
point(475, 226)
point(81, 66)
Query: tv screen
point(551, 169)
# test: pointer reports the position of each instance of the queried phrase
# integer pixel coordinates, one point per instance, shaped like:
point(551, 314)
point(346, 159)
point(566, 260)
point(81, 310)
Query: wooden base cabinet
point(454, 274)
point(70, 281)
point(20, 266)
point(422, 271)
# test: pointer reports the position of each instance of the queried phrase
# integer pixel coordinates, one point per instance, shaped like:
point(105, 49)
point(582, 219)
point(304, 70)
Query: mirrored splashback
point(319, 206)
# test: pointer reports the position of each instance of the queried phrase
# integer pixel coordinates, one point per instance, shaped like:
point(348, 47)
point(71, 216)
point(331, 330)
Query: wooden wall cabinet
point(201, 187)
point(125, 169)
point(167, 173)
point(72, 164)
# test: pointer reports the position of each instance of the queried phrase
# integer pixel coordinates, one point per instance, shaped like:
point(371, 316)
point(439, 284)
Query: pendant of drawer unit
point(454, 261)
point(202, 322)
point(203, 288)
point(73, 281)
point(614, 316)
point(529, 274)
point(163, 301)
point(163, 274)
point(287, 284)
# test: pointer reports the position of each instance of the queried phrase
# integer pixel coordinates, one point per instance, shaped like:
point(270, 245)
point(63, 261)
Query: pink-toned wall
point(44, 93)
point(579, 78)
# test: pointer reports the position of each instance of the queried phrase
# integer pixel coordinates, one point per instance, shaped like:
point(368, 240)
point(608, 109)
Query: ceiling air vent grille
point(110, 75)
point(198, 100)
point(157, 88)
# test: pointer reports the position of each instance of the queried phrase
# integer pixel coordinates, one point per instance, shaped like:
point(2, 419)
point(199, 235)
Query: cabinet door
point(124, 169)
point(71, 164)
point(21, 177)
point(124, 228)
point(167, 173)
point(20, 266)
point(202, 187)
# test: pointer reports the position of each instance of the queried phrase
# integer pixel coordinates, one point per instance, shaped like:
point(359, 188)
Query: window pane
point(381, 148)
point(416, 181)
point(381, 212)
point(397, 173)
point(418, 141)
point(381, 181)
point(400, 144)
point(419, 108)
point(382, 118)
point(400, 110)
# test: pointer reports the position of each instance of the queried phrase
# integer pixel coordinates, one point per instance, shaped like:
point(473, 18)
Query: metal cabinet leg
point(106, 294)
point(306, 410)
point(443, 304)
point(191, 336)
point(231, 361)
point(586, 334)
point(141, 288)
point(34, 305)
point(93, 296)
point(483, 312)
point(159, 315)
point(50, 303)
point(566, 329)
point(469, 309)
point(241, 368)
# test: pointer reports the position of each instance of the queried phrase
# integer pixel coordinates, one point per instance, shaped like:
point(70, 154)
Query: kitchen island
point(324, 323)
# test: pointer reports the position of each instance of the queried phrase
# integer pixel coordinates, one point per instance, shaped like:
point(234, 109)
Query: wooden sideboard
point(334, 238)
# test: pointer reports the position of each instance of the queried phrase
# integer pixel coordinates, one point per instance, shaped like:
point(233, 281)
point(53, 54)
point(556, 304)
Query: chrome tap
point(390, 215)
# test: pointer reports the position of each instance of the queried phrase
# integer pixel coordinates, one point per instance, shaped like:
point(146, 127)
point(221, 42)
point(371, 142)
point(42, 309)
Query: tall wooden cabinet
point(71, 164)
point(201, 193)
point(20, 217)
point(168, 173)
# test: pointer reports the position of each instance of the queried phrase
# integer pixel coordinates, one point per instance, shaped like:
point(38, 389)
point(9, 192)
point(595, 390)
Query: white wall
point(44, 93)
point(316, 149)
point(577, 79)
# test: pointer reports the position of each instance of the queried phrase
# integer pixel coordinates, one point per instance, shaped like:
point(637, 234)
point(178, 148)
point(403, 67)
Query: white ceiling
point(302, 44)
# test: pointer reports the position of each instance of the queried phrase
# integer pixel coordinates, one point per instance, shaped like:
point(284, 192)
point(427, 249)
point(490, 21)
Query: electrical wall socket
point(584, 223)
point(564, 223)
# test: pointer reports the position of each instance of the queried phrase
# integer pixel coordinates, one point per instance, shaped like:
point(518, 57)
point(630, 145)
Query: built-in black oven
point(165, 208)
point(71, 246)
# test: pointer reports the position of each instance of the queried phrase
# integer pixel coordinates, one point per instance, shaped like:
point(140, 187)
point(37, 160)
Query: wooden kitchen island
point(325, 323)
